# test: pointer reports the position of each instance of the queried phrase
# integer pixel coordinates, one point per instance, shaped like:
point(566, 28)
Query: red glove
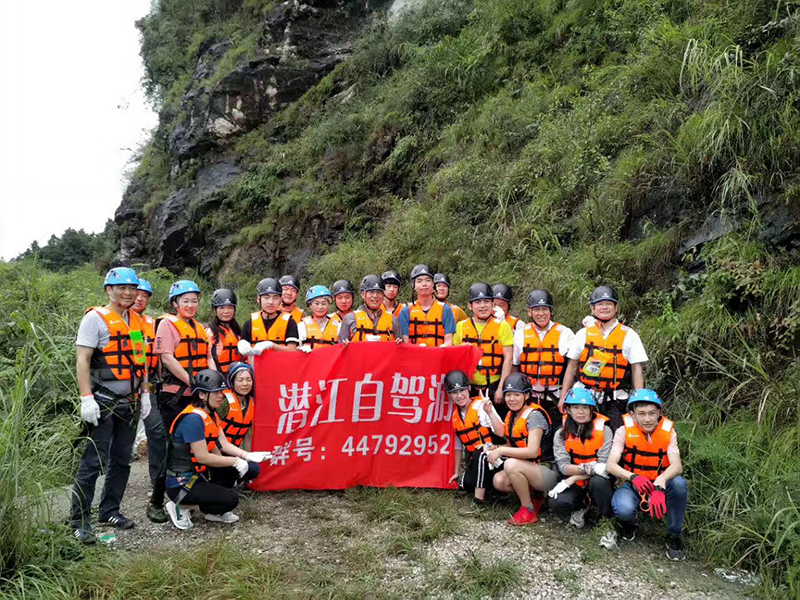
point(658, 504)
point(642, 485)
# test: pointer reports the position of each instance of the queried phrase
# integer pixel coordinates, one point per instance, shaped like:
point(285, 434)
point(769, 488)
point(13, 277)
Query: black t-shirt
point(292, 334)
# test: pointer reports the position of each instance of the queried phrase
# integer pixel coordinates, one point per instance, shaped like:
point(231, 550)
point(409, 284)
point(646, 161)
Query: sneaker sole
point(673, 559)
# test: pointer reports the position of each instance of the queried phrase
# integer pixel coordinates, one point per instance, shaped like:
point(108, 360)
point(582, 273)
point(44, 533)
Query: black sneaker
point(157, 514)
point(627, 532)
point(83, 533)
point(675, 548)
point(119, 521)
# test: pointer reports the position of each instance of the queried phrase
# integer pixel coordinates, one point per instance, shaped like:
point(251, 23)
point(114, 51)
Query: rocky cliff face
point(300, 43)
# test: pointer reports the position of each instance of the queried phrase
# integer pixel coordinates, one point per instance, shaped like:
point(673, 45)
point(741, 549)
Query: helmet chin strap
point(596, 318)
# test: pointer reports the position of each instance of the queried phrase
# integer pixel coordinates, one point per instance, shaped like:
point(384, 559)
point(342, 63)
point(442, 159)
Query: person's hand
point(642, 485)
point(499, 313)
point(587, 468)
point(600, 469)
point(561, 408)
point(244, 348)
point(90, 409)
point(561, 486)
point(588, 321)
point(144, 402)
point(498, 396)
point(421, 345)
point(660, 482)
point(658, 503)
point(494, 455)
point(261, 346)
point(454, 478)
point(305, 349)
point(257, 457)
point(487, 405)
point(241, 466)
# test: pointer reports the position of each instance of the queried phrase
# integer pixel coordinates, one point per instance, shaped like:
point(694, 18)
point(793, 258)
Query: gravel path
point(330, 527)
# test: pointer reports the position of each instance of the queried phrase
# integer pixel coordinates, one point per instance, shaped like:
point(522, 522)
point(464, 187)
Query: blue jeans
point(626, 504)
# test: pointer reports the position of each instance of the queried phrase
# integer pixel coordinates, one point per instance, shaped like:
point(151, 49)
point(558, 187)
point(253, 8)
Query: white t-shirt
point(564, 343)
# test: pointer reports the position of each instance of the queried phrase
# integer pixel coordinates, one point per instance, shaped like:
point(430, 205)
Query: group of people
point(548, 413)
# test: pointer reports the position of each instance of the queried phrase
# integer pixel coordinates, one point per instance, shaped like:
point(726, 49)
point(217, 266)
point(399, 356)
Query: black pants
point(613, 409)
point(477, 475)
point(218, 494)
point(573, 498)
point(169, 406)
point(109, 448)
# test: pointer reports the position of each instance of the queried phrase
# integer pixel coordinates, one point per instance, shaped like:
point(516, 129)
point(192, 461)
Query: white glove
point(588, 321)
point(244, 348)
point(258, 457)
point(499, 313)
point(241, 466)
point(561, 486)
point(90, 409)
point(144, 401)
point(261, 346)
point(600, 469)
point(305, 349)
point(587, 468)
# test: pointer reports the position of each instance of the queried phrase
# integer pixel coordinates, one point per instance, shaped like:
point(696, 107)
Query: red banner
point(368, 413)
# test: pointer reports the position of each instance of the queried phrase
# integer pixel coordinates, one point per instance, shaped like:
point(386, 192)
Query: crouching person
point(581, 449)
point(527, 430)
point(645, 457)
point(202, 465)
point(471, 425)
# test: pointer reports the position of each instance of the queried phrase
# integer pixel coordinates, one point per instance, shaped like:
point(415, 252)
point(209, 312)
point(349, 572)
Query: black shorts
point(478, 475)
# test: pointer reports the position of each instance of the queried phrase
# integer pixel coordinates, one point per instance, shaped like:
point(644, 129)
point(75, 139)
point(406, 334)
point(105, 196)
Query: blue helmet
point(184, 286)
point(581, 397)
point(121, 276)
point(318, 291)
point(644, 395)
point(234, 368)
point(145, 286)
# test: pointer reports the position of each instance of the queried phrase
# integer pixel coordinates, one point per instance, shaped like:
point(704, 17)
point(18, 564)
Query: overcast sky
point(71, 113)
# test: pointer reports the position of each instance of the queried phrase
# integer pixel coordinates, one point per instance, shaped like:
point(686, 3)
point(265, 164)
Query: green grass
point(473, 577)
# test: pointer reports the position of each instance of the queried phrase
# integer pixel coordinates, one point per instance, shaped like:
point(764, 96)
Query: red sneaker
point(523, 517)
point(538, 502)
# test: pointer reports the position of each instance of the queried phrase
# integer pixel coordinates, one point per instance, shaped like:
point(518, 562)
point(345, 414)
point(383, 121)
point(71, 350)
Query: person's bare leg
point(516, 470)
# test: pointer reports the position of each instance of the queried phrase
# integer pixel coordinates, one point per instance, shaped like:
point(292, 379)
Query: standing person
point(153, 425)
point(318, 329)
point(540, 351)
point(371, 322)
point(204, 466)
point(441, 288)
point(646, 458)
point(391, 288)
point(238, 421)
point(608, 357)
point(528, 449)
point(110, 368)
point(495, 339)
point(471, 426)
point(581, 448)
point(344, 296)
point(426, 321)
point(290, 288)
point(503, 295)
point(269, 328)
point(224, 332)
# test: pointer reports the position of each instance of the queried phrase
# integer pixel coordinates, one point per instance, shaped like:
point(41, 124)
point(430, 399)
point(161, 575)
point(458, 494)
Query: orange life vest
point(276, 333)
point(191, 351)
point(584, 452)
point(396, 310)
point(642, 456)
point(512, 321)
point(616, 372)
point(121, 359)
point(237, 422)
point(296, 313)
point(516, 432)
point(458, 312)
point(426, 328)
point(317, 337)
point(488, 341)
point(211, 432)
point(366, 326)
point(225, 350)
point(469, 429)
point(149, 330)
point(540, 359)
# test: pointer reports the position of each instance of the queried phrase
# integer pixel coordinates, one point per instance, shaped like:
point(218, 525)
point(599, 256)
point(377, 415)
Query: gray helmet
point(479, 291)
point(391, 276)
point(539, 298)
point(289, 281)
point(441, 278)
point(223, 297)
point(208, 380)
point(268, 285)
point(502, 292)
point(343, 286)
point(455, 381)
point(372, 283)
point(419, 270)
point(517, 382)
point(603, 292)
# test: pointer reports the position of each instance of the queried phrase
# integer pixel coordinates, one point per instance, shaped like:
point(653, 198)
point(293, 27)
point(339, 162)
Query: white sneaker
point(576, 519)
point(227, 517)
point(180, 518)
point(609, 540)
